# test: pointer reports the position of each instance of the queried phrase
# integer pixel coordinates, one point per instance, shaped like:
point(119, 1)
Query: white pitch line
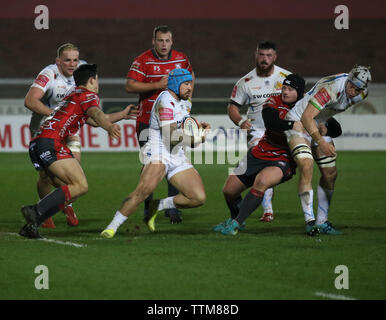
point(333, 296)
point(65, 243)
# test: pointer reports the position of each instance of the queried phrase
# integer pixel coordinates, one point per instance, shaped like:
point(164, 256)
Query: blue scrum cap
point(176, 77)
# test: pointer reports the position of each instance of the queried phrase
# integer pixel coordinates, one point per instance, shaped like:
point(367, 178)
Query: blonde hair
point(64, 47)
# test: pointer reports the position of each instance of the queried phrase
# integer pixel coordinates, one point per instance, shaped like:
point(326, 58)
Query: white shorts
point(174, 163)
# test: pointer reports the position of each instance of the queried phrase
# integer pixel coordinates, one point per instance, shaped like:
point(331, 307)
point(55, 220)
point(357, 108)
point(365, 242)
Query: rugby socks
point(234, 206)
point(267, 201)
point(172, 190)
point(166, 203)
point(306, 200)
point(250, 203)
point(118, 219)
point(324, 200)
point(147, 204)
point(52, 203)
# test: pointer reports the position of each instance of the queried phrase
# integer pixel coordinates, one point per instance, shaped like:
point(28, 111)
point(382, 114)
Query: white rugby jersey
point(252, 91)
point(55, 87)
point(329, 96)
point(166, 110)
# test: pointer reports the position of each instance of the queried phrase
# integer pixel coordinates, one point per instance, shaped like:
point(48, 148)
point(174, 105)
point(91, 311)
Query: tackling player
point(329, 96)
point(252, 90)
point(148, 76)
point(268, 163)
point(164, 155)
point(52, 84)
point(50, 153)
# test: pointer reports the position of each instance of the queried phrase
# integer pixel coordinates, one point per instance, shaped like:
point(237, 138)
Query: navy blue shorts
point(45, 151)
point(249, 167)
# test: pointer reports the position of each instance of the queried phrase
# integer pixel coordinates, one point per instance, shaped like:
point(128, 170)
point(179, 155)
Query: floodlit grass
point(189, 261)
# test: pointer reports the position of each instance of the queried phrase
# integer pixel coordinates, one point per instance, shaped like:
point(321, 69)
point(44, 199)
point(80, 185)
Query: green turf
point(188, 261)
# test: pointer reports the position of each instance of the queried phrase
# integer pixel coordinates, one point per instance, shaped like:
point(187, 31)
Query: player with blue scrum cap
point(329, 96)
point(164, 155)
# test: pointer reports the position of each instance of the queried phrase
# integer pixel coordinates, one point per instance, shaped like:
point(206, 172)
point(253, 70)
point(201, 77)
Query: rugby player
point(266, 164)
point(164, 156)
point(51, 85)
point(329, 96)
point(49, 151)
point(148, 76)
point(252, 90)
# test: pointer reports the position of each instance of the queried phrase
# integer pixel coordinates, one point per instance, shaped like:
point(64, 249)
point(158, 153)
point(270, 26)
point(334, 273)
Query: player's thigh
point(268, 177)
point(189, 183)
point(68, 171)
point(233, 186)
point(151, 176)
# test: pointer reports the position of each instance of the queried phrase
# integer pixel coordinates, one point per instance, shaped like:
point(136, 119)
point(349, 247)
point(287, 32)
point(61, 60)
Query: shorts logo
point(322, 97)
point(42, 80)
point(166, 114)
point(45, 155)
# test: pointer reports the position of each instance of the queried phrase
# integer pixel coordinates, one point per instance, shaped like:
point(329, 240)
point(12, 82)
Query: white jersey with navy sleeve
point(328, 95)
point(55, 87)
point(252, 91)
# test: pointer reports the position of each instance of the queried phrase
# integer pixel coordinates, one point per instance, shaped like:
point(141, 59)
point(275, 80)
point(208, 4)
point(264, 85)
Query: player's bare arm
point(130, 112)
point(235, 116)
point(310, 125)
point(134, 86)
point(102, 121)
point(33, 101)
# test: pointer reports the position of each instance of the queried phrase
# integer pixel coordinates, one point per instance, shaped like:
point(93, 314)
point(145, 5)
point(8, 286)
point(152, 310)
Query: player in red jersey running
point(49, 151)
point(148, 76)
point(267, 164)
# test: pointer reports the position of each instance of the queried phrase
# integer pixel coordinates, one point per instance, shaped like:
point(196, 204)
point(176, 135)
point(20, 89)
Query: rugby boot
point(327, 228)
point(267, 217)
point(312, 228)
point(72, 219)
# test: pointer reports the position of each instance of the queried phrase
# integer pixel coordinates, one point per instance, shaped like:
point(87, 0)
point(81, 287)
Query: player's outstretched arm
point(33, 102)
point(102, 121)
point(130, 112)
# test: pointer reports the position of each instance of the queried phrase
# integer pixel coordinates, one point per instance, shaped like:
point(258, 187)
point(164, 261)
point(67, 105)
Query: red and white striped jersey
point(149, 68)
point(69, 116)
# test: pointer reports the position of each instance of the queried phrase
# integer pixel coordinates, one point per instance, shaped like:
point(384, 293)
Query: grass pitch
point(188, 261)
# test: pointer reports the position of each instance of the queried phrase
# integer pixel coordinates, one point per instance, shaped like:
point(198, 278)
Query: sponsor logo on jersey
point(42, 80)
point(165, 114)
point(278, 85)
point(322, 97)
point(247, 79)
point(265, 95)
point(234, 91)
point(178, 65)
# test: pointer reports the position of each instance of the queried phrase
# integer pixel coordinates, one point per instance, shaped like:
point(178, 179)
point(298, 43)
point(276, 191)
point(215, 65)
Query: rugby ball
point(191, 127)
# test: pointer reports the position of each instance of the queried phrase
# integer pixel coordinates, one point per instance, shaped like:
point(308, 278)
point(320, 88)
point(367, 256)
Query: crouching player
point(49, 152)
point(164, 155)
point(267, 164)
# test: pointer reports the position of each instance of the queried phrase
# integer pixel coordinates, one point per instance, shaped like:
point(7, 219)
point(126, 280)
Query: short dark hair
point(162, 28)
point(265, 44)
point(85, 72)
